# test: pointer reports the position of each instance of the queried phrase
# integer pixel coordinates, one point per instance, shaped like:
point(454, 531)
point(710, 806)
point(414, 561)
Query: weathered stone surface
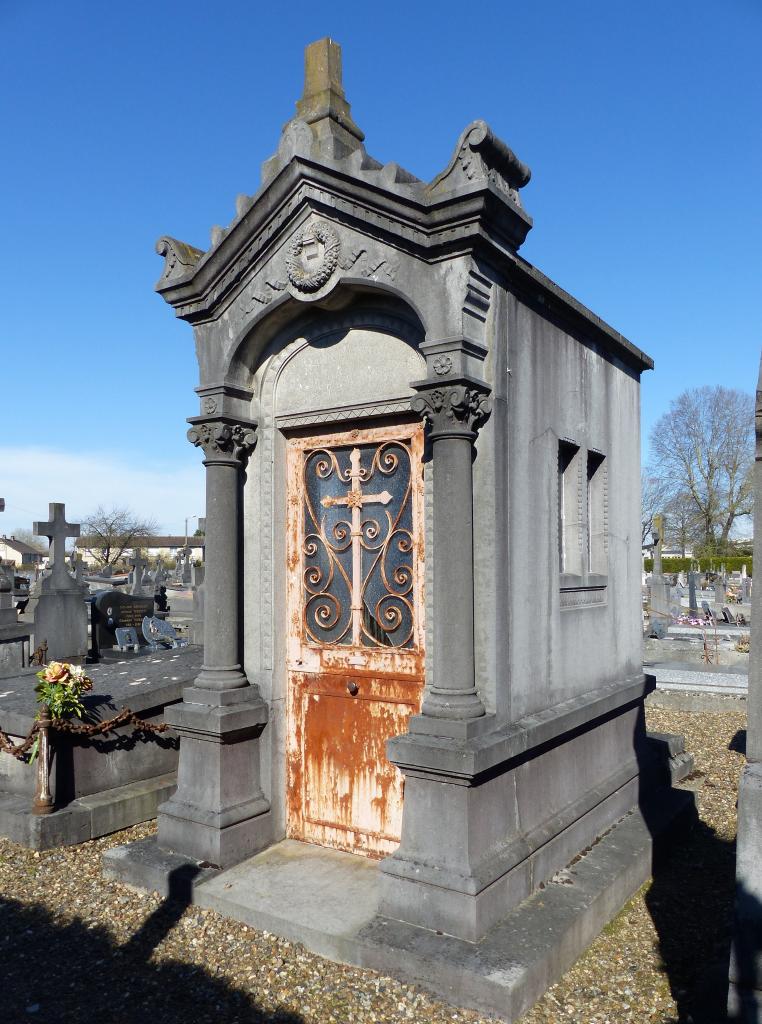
point(60, 617)
point(745, 995)
point(346, 293)
point(107, 782)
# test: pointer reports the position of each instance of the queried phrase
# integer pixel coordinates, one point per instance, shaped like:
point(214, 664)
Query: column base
point(227, 677)
point(217, 846)
point(219, 813)
point(456, 704)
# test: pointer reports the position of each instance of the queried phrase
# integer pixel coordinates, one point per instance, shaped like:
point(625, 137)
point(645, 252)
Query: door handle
point(353, 688)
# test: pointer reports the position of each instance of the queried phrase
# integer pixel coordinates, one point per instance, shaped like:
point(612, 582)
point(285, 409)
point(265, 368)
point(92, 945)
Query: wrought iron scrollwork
point(358, 549)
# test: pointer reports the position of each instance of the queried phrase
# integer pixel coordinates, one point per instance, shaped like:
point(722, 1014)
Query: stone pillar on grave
point(692, 600)
point(452, 712)
point(60, 615)
point(219, 813)
point(659, 604)
point(745, 991)
point(185, 577)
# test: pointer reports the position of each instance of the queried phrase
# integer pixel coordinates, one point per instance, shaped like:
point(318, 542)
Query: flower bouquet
point(61, 687)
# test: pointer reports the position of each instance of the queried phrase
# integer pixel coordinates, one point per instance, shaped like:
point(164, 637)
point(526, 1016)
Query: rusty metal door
point(355, 646)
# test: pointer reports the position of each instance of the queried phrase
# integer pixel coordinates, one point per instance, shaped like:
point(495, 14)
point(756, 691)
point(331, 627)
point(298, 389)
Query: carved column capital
point(453, 410)
point(223, 439)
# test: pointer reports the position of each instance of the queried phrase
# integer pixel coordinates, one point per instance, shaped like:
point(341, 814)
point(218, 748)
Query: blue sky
point(125, 122)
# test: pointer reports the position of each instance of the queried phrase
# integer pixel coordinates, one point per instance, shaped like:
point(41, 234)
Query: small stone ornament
point(313, 257)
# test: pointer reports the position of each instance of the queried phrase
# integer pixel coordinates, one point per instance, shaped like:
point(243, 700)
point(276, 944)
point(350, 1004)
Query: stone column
point(454, 412)
point(427, 882)
point(745, 995)
point(226, 447)
point(219, 813)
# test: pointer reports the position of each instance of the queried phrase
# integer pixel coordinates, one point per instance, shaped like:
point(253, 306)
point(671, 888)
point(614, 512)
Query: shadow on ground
point(691, 902)
point(74, 972)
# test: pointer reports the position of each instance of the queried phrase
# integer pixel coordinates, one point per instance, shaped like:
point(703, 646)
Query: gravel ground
point(74, 947)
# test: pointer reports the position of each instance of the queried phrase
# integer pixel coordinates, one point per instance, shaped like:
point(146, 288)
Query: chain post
point(43, 798)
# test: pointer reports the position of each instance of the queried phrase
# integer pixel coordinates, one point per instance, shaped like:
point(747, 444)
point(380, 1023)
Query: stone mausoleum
point(423, 631)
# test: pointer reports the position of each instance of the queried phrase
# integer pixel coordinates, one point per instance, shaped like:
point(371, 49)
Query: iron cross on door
point(355, 499)
point(355, 652)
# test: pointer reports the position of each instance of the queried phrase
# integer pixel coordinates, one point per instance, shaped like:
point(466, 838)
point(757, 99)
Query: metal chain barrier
point(17, 750)
point(66, 725)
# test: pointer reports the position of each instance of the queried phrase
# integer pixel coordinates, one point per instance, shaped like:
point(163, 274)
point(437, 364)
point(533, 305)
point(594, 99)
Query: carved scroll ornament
point(458, 409)
point(223, 441)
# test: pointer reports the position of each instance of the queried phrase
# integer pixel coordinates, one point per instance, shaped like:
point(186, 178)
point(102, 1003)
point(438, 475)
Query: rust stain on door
point(355, 646)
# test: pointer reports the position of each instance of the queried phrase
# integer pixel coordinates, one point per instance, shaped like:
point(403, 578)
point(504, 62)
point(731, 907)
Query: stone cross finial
point(57, 530)
point(137, 563)
point(323, 97)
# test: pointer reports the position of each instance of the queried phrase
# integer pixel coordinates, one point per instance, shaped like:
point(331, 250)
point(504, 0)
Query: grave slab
point(103, 783)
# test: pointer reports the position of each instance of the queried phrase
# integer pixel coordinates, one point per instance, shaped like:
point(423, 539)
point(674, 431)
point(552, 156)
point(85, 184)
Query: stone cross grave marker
point(138, 564)
point(56, 529)
point(60, 615)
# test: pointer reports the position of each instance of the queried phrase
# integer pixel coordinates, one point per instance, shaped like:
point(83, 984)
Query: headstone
point(728, 616)
point(659, 605)
point(112, 610)
point(708, 613)
point(743, 571)
point(138, 564)
point(60, 616)
point(159, 633)
point(719, 593)
point(692, 605)
point(185, 576)
point(159, 575)
point(14, 636)
point(746, 590)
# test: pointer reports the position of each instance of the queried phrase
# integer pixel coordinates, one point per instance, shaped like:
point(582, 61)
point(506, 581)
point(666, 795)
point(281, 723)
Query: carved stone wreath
point(311, 281)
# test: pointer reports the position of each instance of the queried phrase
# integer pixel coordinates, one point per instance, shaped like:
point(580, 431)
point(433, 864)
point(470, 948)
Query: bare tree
point(703, 452)
point(654, 496)
point(107, 534)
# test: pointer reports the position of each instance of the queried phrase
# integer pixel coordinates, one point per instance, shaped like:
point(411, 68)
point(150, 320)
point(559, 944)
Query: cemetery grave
point(112, 610)
point(385, 755)
point(371, 671)
point(102, 783)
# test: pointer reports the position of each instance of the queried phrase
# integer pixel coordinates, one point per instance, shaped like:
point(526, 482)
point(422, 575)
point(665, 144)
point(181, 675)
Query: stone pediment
point(328, 213)
point(321, 163)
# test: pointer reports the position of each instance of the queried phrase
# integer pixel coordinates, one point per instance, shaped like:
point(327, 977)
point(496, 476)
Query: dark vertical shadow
point(691, 896)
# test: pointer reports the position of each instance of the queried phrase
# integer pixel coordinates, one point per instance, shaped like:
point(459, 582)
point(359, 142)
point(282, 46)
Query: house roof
point(21, 546)
point(168, 541)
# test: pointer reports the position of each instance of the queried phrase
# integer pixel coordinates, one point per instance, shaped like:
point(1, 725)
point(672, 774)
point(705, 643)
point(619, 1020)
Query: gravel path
point(74, 947)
